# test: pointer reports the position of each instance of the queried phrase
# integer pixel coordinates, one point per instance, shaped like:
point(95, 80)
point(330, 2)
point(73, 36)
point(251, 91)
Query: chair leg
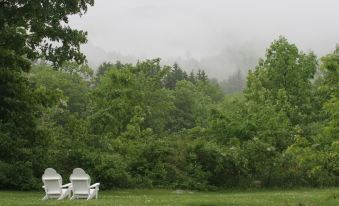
point(45, 198)
point(92, 194)
point(63, 195)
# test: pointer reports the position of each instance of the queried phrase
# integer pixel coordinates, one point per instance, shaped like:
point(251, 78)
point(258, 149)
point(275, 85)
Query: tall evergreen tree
point(175, 75)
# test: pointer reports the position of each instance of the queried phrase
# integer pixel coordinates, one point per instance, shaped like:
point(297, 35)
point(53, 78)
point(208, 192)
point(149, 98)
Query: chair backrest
point(80, 182)
point(52, 181)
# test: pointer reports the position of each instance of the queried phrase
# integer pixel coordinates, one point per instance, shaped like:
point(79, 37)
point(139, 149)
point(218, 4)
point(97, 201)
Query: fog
point(219, 36)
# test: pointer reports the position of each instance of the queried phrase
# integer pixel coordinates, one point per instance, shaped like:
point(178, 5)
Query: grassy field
point(301, 197)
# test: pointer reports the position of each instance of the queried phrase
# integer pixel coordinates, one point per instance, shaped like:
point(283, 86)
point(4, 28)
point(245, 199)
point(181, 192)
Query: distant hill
point(220, 66)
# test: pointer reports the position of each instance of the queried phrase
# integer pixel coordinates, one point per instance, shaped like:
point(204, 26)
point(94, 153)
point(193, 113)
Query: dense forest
point(147, 125)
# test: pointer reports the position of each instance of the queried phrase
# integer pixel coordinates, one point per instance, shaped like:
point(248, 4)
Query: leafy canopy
point(31, 29)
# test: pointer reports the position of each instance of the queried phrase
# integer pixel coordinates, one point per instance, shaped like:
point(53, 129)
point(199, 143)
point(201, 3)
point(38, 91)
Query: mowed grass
point(301, 197)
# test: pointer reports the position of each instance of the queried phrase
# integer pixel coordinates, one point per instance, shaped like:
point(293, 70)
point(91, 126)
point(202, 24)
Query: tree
point(234, 83)
point(38, 29)
point(284, 73)
point(210, 88)
point(71, 79)
point(131, 99)
point(201, 75)
point(192, 77)
point(328, 87)
point(329, 76)
point(102, 69)
point(191, 107)
point(31, 30)
point(175, 75)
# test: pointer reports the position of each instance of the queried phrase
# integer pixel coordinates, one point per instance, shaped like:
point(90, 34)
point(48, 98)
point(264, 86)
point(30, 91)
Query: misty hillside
point(227, 62)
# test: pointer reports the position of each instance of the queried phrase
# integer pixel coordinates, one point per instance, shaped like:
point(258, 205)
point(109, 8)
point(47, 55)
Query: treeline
point(148, 125)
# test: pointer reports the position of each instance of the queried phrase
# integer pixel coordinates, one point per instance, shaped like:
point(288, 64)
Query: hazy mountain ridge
point(227, 62)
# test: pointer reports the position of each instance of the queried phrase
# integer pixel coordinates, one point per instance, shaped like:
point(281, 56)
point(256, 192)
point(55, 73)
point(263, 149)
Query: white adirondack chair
point(81, 185)
point(53, 185)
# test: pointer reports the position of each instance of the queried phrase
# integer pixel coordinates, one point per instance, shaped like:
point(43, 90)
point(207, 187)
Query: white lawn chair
point(53, 185)
point(81, 185)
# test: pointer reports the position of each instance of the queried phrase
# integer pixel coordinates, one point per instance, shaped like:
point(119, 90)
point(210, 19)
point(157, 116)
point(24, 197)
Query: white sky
point(201, 28)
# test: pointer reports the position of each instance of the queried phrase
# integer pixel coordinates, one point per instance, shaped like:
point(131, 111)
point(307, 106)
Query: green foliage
point(309, 165)
point(33, 29)
point(284, 78)
point(72, 80)
point(234, 83)
point(191, 106)
point(174, 76)
point(21, 143)
point(102, 69)
point(328, 88)
point(131, 99)
point(153, 126)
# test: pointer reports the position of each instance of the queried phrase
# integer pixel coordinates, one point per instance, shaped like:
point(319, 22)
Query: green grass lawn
point(301, 197)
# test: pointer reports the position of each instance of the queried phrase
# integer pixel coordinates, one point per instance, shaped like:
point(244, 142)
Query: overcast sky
point(202, 28)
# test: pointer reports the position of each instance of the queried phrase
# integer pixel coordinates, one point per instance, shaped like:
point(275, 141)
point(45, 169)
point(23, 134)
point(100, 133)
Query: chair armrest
point(67, 185)
point(43, 186)
point(94, 185)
